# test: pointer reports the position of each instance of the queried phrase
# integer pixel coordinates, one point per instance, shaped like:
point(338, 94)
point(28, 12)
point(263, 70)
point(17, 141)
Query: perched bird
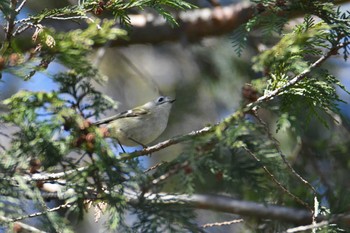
point(140, 125)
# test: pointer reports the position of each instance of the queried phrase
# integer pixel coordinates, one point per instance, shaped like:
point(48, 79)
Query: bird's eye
point(160, 99)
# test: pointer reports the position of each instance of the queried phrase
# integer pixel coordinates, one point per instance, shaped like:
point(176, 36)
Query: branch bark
point(245, 208)
point(193, 25)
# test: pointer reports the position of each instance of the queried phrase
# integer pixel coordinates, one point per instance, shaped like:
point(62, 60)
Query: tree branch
point(167, 143)
point(246, 109)
point(219, 224)
point(193, 25)
point(229, 205)
point(246, 208)
point(308, 227)
point(10, 20)
point(252, 106)
point(296, 79)
point(37, 214)
point(218, 203)
point(52, 176)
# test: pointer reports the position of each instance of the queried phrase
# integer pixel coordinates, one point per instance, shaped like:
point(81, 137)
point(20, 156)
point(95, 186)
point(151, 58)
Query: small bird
point(140, 125)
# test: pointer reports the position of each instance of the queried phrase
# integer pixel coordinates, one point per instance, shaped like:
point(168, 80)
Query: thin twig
point(24, 20)
point(93, 21)
point(220, 224)
point(67, 17)
point(273, 178)
point(142, 74)
point(283, 156)
point(19, 8)
point(53, 176)
point(154, 166)
point(315, 213)
point(308, 227)
point(25, 27)
point(37, 214)
point(166, 143)
point(171, 172)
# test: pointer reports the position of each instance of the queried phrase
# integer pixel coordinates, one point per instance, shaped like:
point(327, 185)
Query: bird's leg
point(143, 145)
point(121, 146)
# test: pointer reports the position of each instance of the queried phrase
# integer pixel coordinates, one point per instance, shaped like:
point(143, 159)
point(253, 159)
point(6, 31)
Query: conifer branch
point(240, 113)
point(218, 203)
point(169, 173)
point(332, 51)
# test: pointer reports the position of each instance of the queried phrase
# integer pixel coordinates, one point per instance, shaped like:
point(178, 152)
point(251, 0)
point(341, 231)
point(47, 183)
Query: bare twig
point(24, 20)
point(171, 172)
point(154, 167)
point(52, 176)
point(166, 143)
point(66, 17)
point(20, 29)
point(142, 74)
point(219, 224)
point(37, 214)
point(283, 156)
point(19, 8)
point(273, 178)
point(308, 227)
point(315, 212)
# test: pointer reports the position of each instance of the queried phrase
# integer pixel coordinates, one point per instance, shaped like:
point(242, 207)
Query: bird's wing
point(130, 113)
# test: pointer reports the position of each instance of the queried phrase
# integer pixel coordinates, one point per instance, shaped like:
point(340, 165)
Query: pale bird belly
point(135, 134)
